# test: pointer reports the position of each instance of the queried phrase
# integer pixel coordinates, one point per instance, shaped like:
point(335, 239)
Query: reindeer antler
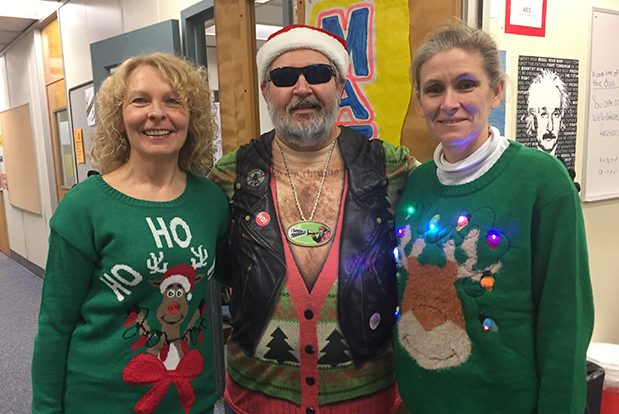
point(201, 254)
point(466, 269)
point(156, 263)
point(211, 270)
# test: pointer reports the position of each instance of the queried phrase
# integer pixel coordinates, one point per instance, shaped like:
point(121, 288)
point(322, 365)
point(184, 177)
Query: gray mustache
point(304, 104)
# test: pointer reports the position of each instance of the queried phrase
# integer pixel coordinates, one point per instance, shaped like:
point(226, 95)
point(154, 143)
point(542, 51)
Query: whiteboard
point(601, 166)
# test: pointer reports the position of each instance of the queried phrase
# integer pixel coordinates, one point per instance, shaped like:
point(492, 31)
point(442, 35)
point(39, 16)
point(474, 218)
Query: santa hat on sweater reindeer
point(184, 275)
point(298, 36)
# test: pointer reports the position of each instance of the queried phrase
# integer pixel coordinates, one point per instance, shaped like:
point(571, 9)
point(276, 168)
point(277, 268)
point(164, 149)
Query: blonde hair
point(110, 147)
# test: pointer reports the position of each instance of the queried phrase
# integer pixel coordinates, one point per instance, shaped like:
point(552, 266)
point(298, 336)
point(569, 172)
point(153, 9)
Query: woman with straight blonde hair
point(496, 310)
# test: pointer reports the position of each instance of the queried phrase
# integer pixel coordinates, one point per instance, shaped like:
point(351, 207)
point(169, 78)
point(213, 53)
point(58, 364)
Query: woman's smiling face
point(154, 117)
point(455, 98)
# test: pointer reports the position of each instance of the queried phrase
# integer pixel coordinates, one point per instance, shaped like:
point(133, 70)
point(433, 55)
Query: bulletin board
point(20, 160)
point(601, 166)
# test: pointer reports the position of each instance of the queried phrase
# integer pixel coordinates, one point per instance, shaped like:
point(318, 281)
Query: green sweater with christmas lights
point(495, 299)
point(124, 323)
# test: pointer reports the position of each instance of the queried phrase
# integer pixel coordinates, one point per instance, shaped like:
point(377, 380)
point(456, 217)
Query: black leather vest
point(367, 275)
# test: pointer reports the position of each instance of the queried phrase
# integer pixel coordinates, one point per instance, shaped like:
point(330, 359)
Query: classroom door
point(62, 145)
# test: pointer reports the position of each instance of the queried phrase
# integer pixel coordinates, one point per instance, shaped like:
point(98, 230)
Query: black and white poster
point(547, 105)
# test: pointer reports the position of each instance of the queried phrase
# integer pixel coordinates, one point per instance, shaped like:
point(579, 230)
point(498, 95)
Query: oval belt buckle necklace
point(307, 232)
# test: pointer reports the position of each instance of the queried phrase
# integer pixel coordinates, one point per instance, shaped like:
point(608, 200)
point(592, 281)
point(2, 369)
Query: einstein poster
point(547, 105)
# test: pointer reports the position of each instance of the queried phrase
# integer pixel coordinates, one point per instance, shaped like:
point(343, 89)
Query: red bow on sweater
point(148, 369)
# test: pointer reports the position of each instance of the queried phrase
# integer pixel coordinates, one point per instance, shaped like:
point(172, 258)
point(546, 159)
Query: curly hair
point(457, 35)
point(110, 147)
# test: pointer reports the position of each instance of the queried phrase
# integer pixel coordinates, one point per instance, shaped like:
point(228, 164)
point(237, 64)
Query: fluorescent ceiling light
point(263, 31)
point(28, 9)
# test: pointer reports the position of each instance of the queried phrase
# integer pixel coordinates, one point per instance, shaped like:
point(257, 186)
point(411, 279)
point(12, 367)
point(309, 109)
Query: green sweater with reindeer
point(495, 299)
point(123, 325)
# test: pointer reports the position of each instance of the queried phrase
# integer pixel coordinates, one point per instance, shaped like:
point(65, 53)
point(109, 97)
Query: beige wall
point(567, 36)
point(83, 22)
point(25, 85)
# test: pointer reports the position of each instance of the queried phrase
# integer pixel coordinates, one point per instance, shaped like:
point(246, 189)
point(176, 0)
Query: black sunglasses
point(313, 74)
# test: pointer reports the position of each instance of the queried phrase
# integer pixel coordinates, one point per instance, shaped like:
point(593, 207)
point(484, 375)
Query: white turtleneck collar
point(473, 166)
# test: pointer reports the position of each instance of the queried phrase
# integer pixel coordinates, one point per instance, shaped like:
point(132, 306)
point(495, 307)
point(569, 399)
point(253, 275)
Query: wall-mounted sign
point(377, 90)
point(525, 17)
point(78, 139)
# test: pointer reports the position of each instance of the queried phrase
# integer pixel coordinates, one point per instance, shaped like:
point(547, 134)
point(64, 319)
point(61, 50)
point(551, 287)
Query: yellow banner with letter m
point(378, 90)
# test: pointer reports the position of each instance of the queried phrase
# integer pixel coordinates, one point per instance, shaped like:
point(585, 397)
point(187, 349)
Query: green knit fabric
point(496, 308)
point(107, 255)
point(398, 163)
point(275, 369)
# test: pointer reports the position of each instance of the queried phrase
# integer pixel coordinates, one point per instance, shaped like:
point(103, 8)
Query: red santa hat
point(298, 36)
point(184, 275)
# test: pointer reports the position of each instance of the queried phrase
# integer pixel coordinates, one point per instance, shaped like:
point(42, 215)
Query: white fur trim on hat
point(295, 37)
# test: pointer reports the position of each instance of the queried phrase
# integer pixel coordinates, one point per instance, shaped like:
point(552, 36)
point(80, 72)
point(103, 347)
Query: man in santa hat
point(312, 316)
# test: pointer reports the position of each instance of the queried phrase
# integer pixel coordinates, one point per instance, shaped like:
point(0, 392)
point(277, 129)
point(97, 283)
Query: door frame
point(4, 230)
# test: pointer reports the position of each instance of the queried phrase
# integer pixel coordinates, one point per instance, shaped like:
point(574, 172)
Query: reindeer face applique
point(446, 260)
point(168, 358)
point(174, 307)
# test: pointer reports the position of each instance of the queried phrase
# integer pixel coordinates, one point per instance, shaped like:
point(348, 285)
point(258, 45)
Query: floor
point(19, 309)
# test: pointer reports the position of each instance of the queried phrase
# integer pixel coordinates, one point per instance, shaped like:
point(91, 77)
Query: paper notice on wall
point(78, 139)
point(89, 94)
point(526, 13)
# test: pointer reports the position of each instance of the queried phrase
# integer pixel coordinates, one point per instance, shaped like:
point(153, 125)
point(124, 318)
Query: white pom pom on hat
point(298, 36)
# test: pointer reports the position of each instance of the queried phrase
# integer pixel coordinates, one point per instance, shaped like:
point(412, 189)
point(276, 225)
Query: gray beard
point(309, 134)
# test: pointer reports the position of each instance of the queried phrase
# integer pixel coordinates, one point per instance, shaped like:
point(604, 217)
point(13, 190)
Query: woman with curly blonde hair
point(123, 325)
point(110, 146)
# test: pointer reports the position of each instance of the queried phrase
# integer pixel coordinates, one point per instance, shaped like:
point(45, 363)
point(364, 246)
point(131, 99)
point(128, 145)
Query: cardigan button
point(308, 314)
point(375, 321)
point(379, 220)
point(310, 410)
point(310, 381)
point(247, 217)
point(237, 185)
point(309, 349)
